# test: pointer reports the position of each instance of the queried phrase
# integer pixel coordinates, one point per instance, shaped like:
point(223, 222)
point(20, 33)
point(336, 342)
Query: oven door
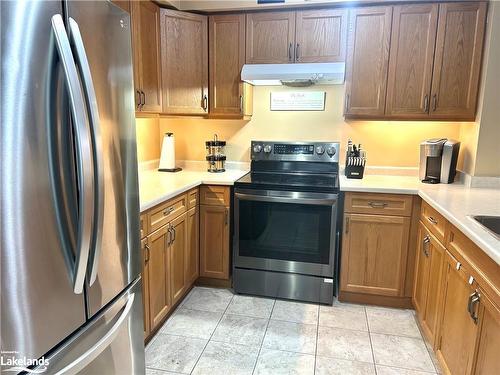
point(285, 231)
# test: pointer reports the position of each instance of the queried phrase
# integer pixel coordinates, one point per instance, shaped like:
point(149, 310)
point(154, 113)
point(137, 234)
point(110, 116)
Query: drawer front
point(167, 211)
point(378, 204)
point(433, 220)
point(193, 198)
point(215, 195)
point(143, 225)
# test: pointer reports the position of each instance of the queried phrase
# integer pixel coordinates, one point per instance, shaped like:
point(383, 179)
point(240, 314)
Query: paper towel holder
point(164, 167)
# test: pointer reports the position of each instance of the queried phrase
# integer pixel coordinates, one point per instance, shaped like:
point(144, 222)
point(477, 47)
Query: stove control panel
point(295, 151)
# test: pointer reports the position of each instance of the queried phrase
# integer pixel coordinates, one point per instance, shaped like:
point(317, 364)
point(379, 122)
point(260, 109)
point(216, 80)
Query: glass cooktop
point(290, 181)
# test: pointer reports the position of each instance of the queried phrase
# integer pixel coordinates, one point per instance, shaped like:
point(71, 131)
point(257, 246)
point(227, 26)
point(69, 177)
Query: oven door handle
point(280, 199)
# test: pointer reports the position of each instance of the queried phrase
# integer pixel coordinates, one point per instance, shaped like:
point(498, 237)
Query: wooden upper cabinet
point(184, 43)
point(147, 56)
point(411, 60)
point(458, 333)
point(226, 56)
point(270, 37)
point(374, 253)
point(457, 62)
point(487, 361)
point(367, 61)
point(320, 35)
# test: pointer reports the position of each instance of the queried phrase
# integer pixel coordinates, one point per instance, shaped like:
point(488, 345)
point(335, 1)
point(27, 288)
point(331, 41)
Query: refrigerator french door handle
point(88, 88)
point(101, 345)
point(84, 165)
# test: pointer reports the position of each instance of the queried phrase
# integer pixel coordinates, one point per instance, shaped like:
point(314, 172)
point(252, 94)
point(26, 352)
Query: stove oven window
point(284, 231)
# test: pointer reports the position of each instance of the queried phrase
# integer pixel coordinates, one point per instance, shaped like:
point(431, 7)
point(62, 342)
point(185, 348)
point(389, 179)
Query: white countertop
point(456, 202)
point(156, 187)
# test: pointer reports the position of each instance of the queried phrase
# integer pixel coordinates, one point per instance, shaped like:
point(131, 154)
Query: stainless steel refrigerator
point(70, 254)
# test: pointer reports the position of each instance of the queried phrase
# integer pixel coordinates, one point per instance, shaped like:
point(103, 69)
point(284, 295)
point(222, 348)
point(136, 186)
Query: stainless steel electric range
point(285, 214)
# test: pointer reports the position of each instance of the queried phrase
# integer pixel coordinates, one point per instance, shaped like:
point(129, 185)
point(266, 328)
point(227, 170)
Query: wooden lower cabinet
point(214, 241)
point(177, 252)
point(428, 281)
point(170, 257)
point(459, 331)
point(193, 245)
point(159, 280)
point(487, 359)
point(374, 252)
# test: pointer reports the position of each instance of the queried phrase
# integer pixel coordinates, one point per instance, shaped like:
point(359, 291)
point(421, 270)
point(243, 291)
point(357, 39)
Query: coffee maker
point(438, 160)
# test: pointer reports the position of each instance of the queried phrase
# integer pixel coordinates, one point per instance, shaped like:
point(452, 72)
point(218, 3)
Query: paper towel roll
point(167, 158)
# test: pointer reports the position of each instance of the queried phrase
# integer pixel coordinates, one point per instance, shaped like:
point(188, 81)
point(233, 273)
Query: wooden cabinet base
point(217, 283)
point(369, 299)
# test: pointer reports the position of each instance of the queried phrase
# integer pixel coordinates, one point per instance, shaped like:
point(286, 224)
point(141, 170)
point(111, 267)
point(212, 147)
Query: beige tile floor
point(216, 332)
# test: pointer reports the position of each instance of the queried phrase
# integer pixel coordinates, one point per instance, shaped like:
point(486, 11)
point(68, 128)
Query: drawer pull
point(432, 220)
point(168, 211)
point(378, 204)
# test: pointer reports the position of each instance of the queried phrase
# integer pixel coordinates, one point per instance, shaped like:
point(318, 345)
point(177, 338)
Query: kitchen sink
point(492, 223)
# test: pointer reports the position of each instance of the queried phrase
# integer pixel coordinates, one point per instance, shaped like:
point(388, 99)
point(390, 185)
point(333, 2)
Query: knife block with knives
point(355, 161)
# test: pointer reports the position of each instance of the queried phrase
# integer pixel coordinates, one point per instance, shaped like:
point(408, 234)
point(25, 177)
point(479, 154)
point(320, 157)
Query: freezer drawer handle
point(84, 165)
point(92, 110)
point(101, 345)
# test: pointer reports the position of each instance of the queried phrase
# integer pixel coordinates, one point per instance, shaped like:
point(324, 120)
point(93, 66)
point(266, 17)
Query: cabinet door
point(159, 281)
point(177, 252)
point(193, 245)
point(457, 62)
point(367, 61)
point(227, 56)
point(214, 242)
point(270, 38)
point(411, 59)
point(374, 254)
point(421, 284)
point(487, 361)
point(458, 333)
point(429, 320)
point(320, 35)
point(147, 64)
point(185, 62)
point(145, 284)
